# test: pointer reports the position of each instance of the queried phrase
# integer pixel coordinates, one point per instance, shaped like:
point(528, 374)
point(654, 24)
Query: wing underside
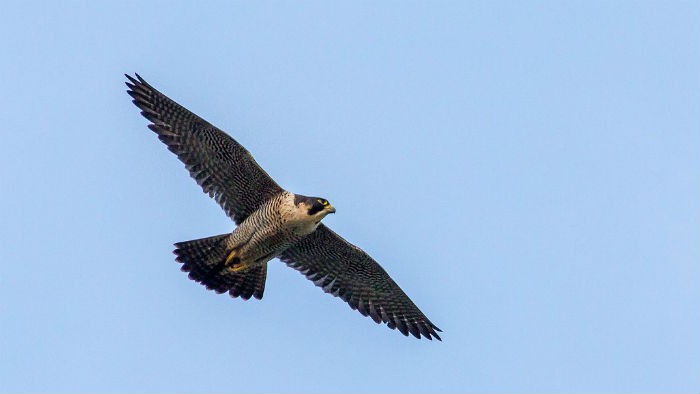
point(346, 271)
point(221, 166)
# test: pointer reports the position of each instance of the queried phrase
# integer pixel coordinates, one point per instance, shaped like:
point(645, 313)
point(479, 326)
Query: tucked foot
point(236, 267)
point(233, 262)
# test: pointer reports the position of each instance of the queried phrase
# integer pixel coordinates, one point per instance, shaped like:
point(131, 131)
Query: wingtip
point(131, 79)
point(434, 332)
point(430, 334)
point(136, 81)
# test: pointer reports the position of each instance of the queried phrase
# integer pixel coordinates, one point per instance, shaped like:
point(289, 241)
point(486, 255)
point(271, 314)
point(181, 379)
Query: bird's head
point(316, 207)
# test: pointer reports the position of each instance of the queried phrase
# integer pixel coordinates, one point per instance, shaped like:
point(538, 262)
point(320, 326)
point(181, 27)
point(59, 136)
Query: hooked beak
point(330, 209)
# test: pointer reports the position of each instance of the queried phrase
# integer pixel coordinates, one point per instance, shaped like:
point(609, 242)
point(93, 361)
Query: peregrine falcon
point(271, 223)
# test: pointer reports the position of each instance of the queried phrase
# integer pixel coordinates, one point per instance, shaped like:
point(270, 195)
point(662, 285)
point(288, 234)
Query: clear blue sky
point(529, 174)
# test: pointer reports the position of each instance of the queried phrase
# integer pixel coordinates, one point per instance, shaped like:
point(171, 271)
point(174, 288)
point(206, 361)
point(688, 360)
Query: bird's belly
point(262, 248)
point(259, 239)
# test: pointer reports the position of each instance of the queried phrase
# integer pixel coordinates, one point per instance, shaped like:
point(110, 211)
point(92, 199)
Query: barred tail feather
point(205, 259)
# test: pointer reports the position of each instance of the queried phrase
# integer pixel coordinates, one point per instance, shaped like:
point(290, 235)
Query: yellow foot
point(236, 267)
point(230, 257)
point(233, 263)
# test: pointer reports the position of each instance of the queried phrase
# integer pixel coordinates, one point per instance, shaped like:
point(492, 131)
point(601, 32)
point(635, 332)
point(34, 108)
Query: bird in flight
point(271, 223)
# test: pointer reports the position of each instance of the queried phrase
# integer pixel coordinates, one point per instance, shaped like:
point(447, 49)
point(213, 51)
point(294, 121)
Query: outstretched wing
point(346, 271)
point(221, 166)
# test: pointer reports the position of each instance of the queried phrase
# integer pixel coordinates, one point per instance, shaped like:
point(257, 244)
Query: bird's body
point(269, 231)
point(272, 222)
point(278, 224)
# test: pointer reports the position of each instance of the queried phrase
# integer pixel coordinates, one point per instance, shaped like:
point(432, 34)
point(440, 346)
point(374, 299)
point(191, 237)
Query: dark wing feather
point(221, 166)
point(346, 271)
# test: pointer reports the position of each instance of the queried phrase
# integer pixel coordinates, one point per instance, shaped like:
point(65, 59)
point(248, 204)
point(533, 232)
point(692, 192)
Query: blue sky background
point(528, 173)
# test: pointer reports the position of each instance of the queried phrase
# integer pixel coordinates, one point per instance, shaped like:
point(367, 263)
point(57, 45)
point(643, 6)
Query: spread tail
point(205, 260)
